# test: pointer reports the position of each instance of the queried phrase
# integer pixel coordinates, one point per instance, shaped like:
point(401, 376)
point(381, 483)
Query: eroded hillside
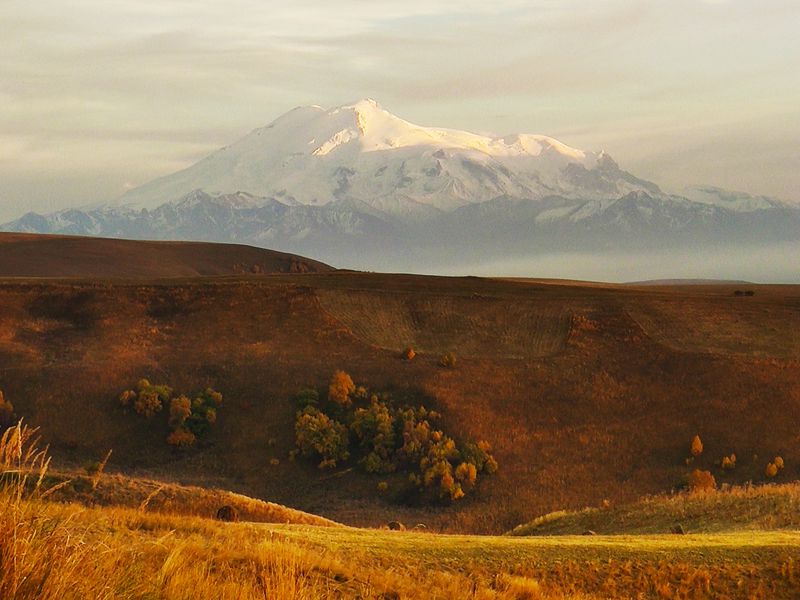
point(586, 393)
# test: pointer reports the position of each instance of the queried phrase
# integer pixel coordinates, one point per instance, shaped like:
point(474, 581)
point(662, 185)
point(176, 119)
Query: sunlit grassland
point(54, 550)
point(764, 507)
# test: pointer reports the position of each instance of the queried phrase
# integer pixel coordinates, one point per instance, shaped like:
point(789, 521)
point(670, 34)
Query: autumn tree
point(700, 481)
point(697, 446)
point(373, 428)
point(319, 436)
point(340, 388)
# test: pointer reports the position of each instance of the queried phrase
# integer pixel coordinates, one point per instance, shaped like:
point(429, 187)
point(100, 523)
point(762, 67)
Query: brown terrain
point(33, 255)
point(586, 392)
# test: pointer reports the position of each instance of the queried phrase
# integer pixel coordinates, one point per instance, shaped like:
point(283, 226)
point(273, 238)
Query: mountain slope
point(26, 255)
point(361, 151)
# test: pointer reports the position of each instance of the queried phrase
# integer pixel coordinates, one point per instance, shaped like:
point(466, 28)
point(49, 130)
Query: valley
point(586, 393)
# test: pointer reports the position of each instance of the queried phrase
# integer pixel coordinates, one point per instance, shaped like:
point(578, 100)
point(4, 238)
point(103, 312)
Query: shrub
point(180, 409)
point(383, 487)
point(466, 474)
point(317, 435)
point(7, 416)
point(340, 388)
point(700, 481)
point(729, 462)
point(147, 403)
point(188, 419)
point(148, 399)
point(408, 353)
point(771, 470)
point(448, 359)
point(204, 412)
point(181, 438)
point(697, 446)
point(373, 428)
point(438, 476)
point(778, 462)
point(306, 397)
point(127, 397)
point(479, 455)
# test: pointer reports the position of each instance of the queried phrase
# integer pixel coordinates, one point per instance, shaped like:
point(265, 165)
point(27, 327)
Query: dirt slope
point(30, 255)
point(601, 407)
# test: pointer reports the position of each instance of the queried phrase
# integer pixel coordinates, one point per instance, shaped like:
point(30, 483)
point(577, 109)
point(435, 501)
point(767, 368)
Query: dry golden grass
point(171, 498)
point(52, 551)
point(739, 508)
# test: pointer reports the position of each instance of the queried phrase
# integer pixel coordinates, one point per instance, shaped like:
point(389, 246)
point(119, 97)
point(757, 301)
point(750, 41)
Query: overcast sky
point(97, 96)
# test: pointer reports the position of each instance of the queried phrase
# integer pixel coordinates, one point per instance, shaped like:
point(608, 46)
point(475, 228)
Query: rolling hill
point(586, 392)
point(26, 255)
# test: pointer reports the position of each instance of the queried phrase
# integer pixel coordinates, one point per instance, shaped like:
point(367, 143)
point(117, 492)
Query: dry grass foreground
point(170, 499)
point(50, 550)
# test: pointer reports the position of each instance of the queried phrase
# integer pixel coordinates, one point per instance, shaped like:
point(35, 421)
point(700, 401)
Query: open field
point(124, 553)
point(53, 550)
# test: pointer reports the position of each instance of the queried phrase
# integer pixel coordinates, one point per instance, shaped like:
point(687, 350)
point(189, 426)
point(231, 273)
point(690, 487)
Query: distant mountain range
point(359, 187)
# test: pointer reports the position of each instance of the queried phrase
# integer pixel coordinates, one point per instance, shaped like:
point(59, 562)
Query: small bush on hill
point(181, 438)
point(700, 481)
point(448, 360)
point(386, 438)
point(697, 446)
point(187, 419)
point(771, 470)
point(778, 462)
point(728, 462)
point(408, 353)
point(340, 388)
point(146, 399)
point(306, 397)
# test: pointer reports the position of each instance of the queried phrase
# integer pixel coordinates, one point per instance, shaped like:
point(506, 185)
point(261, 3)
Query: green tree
point(319, 436)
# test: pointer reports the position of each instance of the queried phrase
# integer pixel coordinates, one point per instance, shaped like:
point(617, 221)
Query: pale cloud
point(97, 95)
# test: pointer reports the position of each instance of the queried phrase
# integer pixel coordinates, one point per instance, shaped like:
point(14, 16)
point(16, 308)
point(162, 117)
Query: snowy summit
point(363, 152)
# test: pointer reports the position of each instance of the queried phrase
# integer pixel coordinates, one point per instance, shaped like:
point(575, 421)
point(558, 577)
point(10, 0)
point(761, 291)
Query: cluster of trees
point(188, 419)
point(702, 480)
point(381, 437)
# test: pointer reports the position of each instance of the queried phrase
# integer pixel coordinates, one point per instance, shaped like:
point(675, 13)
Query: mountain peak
point(362, 152)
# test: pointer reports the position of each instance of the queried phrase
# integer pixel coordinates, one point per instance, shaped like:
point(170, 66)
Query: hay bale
point(227, 513)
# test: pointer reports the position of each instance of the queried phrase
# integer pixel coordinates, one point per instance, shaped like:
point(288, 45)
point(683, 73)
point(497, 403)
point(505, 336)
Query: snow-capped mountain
point(357, 186)
point(362, 152)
